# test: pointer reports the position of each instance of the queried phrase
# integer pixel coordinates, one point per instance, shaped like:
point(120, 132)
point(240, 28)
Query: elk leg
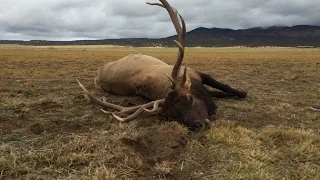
point(221, 94)
point(200, 91)
point(208, 80)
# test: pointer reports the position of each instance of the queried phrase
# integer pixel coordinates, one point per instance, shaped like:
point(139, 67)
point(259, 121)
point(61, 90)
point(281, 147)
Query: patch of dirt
point(37, 117)
point(43, 105)
point(158, 146)
point(40, 126)
point(56, 127)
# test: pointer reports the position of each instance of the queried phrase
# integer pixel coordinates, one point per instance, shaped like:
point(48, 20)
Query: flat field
point(49, 130)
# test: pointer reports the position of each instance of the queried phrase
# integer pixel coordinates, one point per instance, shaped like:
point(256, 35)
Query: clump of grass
point(103, 172)
point(15, 136)
point(270, 154)
point(68, 153)
point(230, 134)
point(10, 163)
point(295, 151)
point(163, 169)
point(28, 92)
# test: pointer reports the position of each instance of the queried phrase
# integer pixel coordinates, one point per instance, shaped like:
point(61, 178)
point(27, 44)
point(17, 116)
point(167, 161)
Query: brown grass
point(48, 130)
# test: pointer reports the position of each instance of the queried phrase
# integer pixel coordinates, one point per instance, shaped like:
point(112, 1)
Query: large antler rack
point(181, 32)
point(123, 111)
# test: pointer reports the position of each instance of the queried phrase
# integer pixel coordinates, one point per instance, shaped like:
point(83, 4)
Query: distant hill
point(301, 35)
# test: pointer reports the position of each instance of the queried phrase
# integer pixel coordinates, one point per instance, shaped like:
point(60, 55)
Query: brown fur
point(138, 74)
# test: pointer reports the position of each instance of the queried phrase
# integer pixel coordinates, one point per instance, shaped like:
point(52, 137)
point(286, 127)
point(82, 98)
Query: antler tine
point(98, 101)
point(181, 38)
point(181, 32)
point(143, 108)
point(155, 106)
point(184, 77)
point(173, 13)
point(184, 29)
point(128, 118)
point(156, 4)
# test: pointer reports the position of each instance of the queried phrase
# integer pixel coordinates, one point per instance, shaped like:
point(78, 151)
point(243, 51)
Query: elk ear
point(185, 82)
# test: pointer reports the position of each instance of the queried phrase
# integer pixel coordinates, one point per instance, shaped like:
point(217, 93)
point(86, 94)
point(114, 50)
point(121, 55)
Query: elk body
point(182, 96)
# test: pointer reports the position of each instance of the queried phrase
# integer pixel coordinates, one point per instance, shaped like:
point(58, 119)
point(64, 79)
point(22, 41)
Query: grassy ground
point(48, 129)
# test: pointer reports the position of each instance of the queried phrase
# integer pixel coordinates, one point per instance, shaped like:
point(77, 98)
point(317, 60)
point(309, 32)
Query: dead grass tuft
point(103, 173)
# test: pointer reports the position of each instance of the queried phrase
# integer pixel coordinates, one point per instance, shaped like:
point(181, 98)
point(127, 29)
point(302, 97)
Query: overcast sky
point(104, 19)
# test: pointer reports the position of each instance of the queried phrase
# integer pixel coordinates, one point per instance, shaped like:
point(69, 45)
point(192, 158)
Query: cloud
point(101, 19)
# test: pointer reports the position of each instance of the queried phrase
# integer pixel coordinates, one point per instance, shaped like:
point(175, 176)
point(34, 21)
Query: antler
point(181, 32)
point(122, 111)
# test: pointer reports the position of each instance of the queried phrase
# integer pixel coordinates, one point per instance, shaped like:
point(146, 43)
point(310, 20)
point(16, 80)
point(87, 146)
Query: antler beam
point(181, 32)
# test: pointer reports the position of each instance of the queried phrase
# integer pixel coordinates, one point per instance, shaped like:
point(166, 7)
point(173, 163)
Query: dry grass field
point(49, 130)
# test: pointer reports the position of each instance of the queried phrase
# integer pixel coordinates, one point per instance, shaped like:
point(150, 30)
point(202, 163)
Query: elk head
point(180, 103)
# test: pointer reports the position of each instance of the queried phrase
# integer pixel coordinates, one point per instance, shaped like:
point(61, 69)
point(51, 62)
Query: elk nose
point(200, 125)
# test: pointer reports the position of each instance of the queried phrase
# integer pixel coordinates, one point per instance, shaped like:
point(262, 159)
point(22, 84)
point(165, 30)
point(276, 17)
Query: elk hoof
point(242, 93)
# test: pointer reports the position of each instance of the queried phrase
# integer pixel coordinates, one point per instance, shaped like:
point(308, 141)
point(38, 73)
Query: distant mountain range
point(301, 35)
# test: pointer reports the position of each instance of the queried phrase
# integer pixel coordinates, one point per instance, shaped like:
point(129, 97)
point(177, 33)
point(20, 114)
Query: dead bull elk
point(181, 96)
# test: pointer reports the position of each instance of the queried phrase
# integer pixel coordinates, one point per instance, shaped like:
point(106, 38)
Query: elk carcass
point(178, 92)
